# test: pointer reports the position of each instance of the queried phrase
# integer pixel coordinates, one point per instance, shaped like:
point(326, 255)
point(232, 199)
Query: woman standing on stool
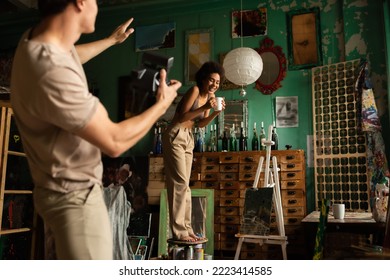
point(178, 144)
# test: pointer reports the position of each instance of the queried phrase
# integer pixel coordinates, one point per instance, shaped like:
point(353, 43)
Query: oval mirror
point(274, 67)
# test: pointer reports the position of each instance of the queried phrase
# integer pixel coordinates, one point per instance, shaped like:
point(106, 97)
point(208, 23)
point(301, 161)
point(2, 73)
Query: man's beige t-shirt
point(50, 99)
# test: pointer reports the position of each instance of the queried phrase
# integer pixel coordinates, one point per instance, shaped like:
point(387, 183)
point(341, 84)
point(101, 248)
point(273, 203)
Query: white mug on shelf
point(338, 211)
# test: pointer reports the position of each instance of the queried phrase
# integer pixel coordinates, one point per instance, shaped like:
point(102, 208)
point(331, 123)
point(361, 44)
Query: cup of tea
point(338, 211)
point(219, 104)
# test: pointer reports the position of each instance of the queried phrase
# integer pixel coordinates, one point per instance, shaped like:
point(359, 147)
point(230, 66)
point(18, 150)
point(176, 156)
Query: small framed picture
point(287, 111)
point(155, 37)
point(198, 50)
point(252, 23)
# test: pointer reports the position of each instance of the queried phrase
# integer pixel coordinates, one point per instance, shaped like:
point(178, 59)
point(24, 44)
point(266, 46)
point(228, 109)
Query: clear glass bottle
point(154, 141)
point(210, 143)
point(233, 139)
point(215, 142)
point(274, 138)
point(262, 137)
point(202, 132)
point(243, 143)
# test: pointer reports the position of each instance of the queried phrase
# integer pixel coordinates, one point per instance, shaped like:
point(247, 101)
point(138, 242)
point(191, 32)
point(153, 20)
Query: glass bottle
point(210, 143)
point(215, 142)
point(154, 141)
point(225, 142)
point(274, 138)
point(232, 140)
point(243, 145)
point(199, 140)
point(262, 137)
point(255, 139)
point(196, 137)
point(203, 137)
point(159, 142)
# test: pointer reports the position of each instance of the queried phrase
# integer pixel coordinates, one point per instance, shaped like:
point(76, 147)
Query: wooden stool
point(185, 246)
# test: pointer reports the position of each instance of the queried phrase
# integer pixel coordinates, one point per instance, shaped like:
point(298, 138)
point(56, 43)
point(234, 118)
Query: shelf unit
point(17, 215)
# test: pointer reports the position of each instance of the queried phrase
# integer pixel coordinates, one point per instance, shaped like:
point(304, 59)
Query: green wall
point(349, 30)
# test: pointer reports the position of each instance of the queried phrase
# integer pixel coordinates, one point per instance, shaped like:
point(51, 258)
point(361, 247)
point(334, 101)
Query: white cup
point(338, 211)
point(219, 104)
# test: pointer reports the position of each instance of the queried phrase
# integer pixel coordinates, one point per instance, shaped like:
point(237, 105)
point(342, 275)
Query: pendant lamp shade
point(243, 66)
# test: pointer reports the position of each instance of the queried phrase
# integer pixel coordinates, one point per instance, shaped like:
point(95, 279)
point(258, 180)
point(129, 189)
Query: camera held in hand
point(146, 77)
point(145, 80)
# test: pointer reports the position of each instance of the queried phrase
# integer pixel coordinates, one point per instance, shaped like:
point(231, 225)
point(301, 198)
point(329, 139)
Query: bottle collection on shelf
point(229, 141)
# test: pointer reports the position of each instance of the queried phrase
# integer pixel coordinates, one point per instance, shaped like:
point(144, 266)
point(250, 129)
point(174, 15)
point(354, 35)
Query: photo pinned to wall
point(155, 37)
point(199, 49)
point(254, 23)
point(287, 111)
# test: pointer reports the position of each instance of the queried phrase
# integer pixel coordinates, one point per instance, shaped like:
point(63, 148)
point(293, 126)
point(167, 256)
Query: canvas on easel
point(271, 182)
point(257, 211)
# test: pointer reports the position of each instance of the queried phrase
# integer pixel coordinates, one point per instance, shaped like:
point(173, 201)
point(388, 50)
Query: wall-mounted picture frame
point(253, 23)
point(198, 50)
point(287, 111)
point(155, 37)
point(304, 39)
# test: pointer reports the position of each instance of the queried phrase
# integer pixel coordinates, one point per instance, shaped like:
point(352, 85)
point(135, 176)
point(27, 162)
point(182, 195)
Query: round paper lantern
point(243, 66)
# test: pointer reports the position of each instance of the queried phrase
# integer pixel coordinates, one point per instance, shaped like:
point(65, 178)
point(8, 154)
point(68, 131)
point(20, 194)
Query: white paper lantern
point(243, 66)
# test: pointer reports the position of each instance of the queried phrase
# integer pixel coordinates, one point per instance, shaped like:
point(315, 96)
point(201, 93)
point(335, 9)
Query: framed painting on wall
point(253, 23)
point(155, 37)
point(198, 50)
point(287, 111)
point(304, 41)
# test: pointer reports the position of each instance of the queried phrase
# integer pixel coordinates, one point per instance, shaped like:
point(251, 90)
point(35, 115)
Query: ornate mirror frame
point(267, 46)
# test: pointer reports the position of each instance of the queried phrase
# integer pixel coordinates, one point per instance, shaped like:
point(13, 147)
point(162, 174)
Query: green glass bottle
point(255, 139)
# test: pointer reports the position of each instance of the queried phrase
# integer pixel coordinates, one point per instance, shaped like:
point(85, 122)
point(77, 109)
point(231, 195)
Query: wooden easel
point(271, 180)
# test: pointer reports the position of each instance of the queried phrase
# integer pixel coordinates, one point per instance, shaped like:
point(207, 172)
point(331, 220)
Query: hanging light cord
point(242, 31)
point(242, 92)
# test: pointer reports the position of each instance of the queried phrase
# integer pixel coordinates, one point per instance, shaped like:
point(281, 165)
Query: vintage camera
point(146, 78)
point(144, 82)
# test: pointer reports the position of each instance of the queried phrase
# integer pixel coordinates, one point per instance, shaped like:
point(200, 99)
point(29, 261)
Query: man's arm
point(90, 50)
point(113, 139)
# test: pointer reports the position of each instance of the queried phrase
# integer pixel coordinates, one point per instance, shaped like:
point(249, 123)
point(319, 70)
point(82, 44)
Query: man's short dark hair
point(52, 7)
